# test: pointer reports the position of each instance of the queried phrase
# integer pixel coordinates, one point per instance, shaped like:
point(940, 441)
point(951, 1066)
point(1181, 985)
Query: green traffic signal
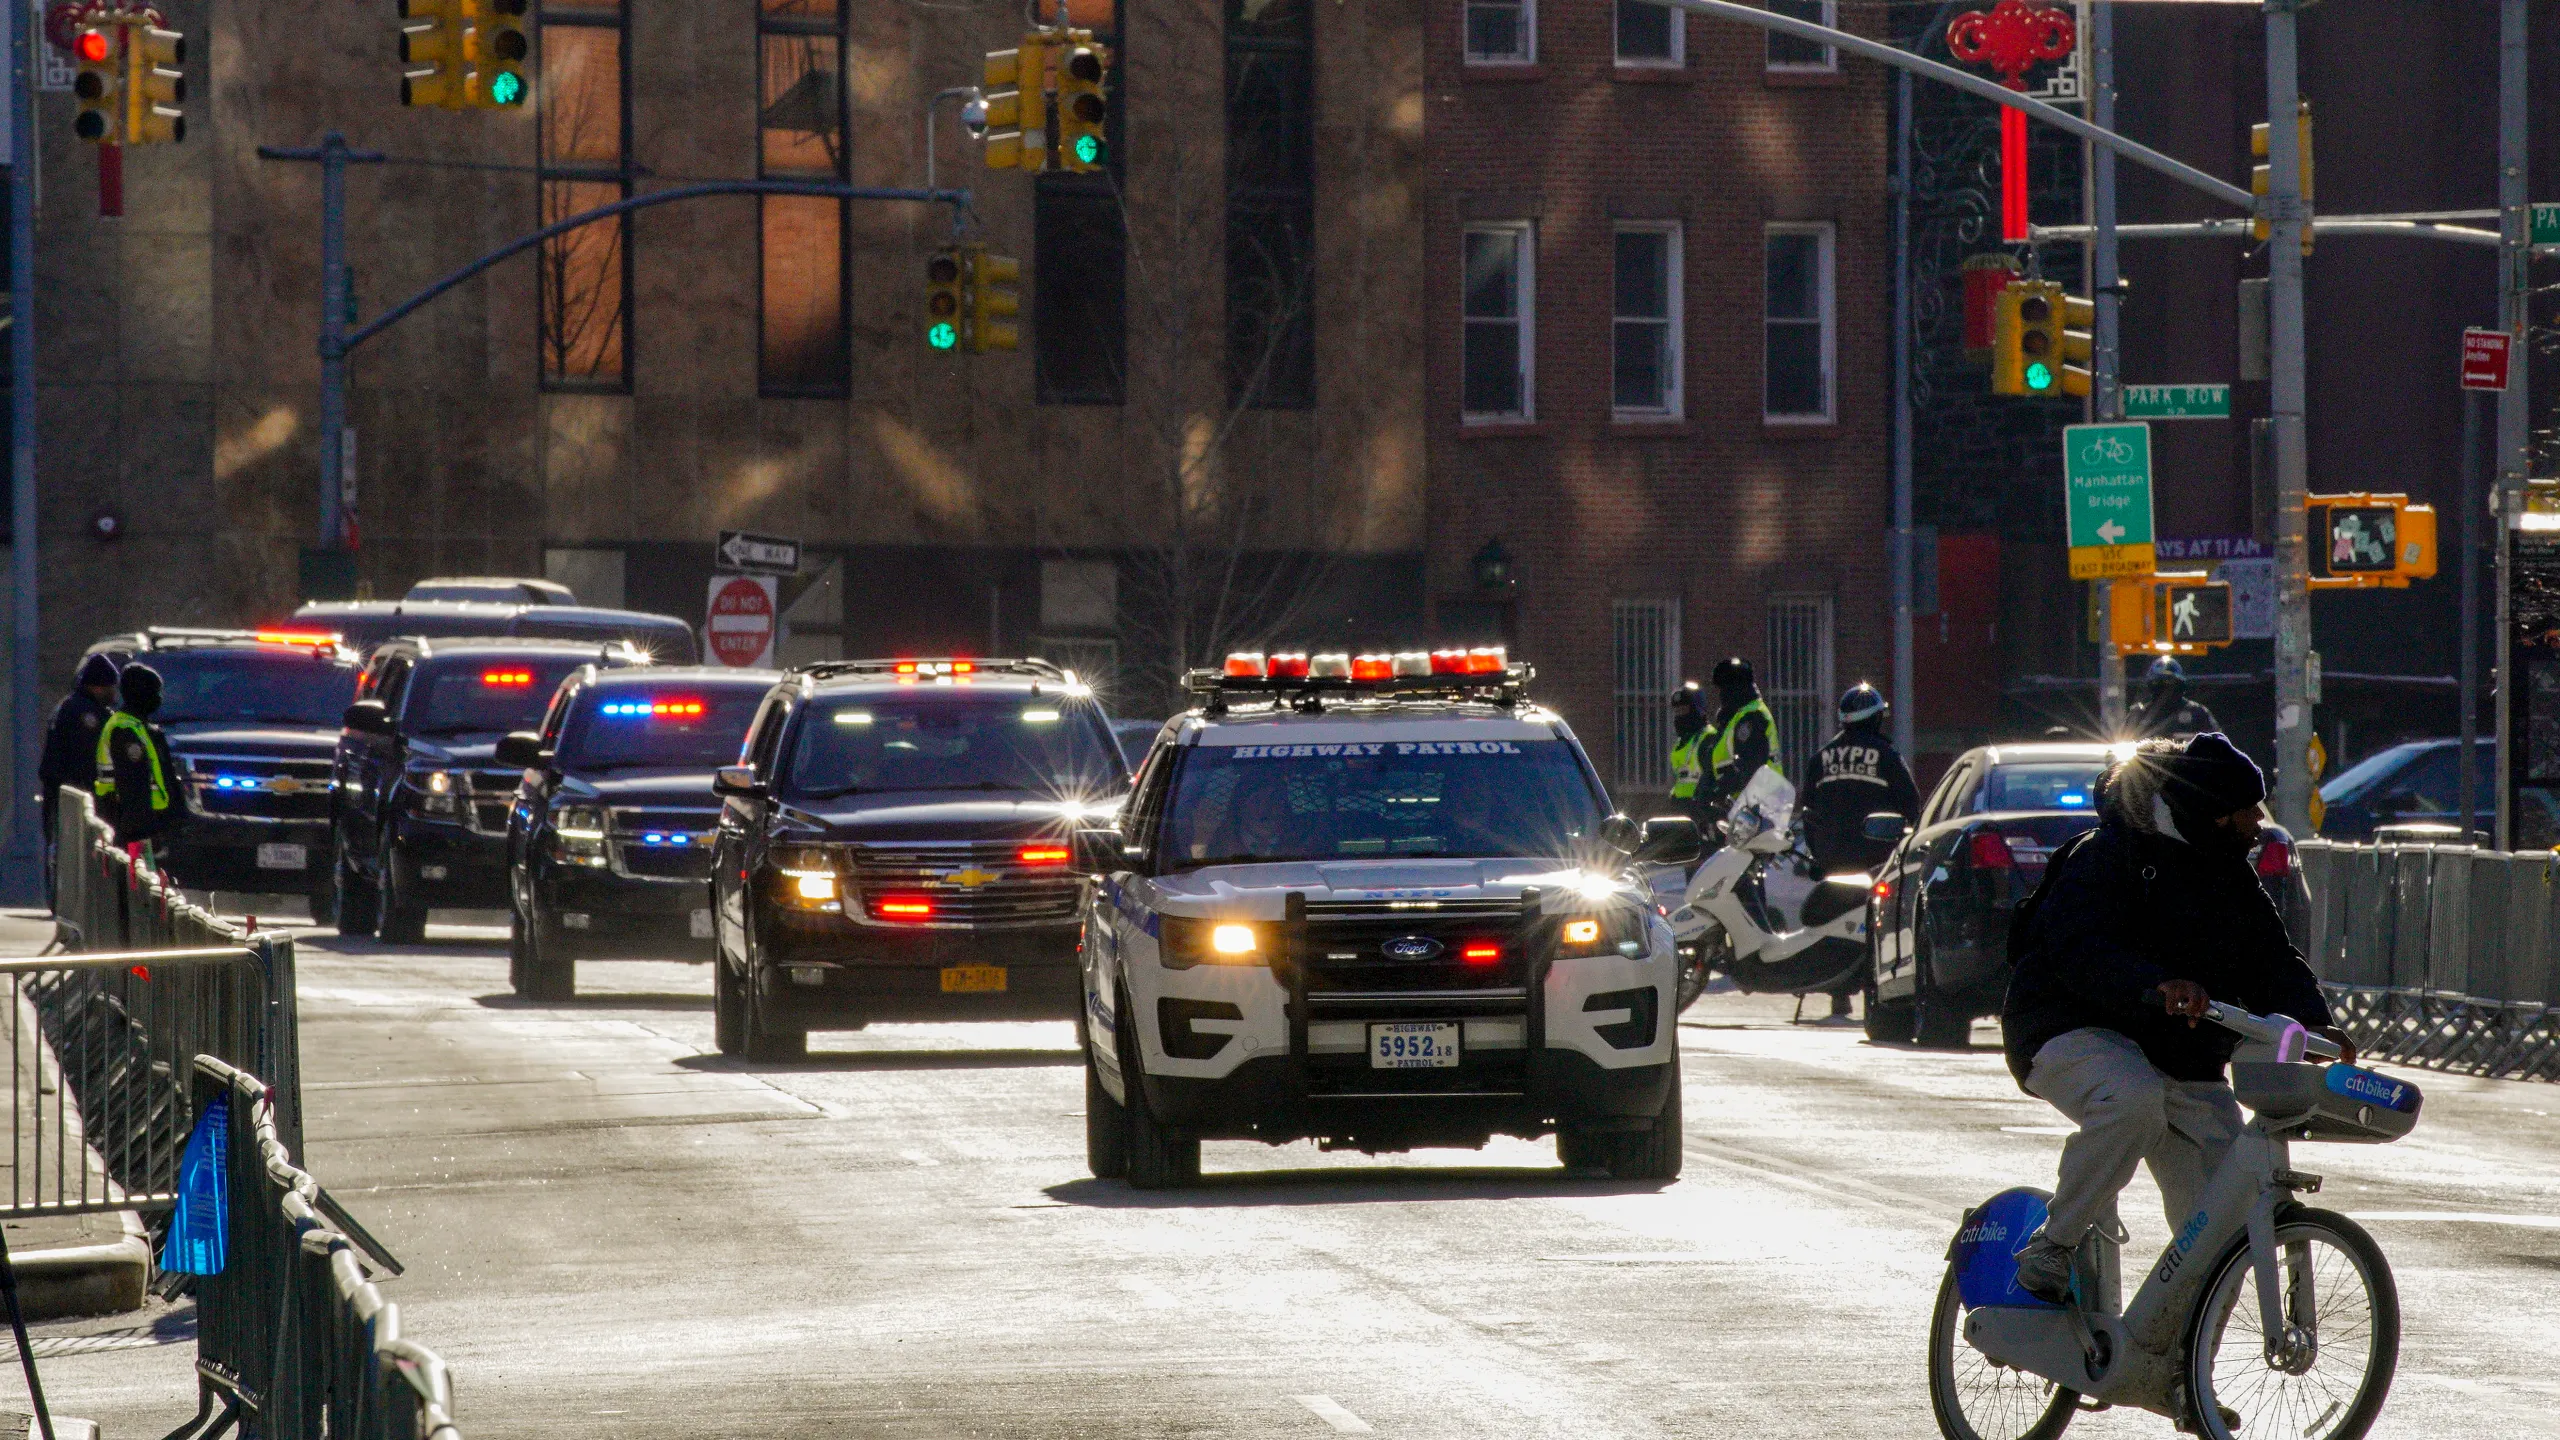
point(942, 336)
point(1088, 150)
point(506, 88)
point(2039, 376)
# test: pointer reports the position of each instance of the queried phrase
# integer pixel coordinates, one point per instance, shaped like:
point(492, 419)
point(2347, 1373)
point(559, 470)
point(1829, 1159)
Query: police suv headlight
point(808, 879)
point(577, 834)
point(1611, 932)
point(437, 792)
point(1184, 943)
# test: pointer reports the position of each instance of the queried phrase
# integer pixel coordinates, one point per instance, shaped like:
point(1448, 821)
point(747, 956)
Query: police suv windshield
point(466, 693)
point(951, 741)
point(1237, 804)
point(249, 686)
point(676, 727)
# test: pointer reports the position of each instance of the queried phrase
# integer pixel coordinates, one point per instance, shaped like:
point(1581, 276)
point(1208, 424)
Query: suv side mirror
point(1621, 834)
point(1669, 840)
point(1884, 825)
point(737, 780)
point(368, 717)
point(520, 750)
point(1100, 852)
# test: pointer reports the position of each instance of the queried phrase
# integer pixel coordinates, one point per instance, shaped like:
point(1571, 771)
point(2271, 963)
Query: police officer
point(2166, 713)
point(137, 779)
point(1689, 712)
point(1856, 775)
point(1744, 732)
point(71, 741)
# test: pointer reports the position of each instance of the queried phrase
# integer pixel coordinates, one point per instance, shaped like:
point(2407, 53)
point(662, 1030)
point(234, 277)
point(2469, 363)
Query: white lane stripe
point(2455, 1217)
point(1333, 1414)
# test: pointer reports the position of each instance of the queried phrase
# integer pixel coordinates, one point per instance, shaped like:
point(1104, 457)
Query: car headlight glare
point(1582, 932)
point(1183, 943)
point(1232, 940)
point(813, 885)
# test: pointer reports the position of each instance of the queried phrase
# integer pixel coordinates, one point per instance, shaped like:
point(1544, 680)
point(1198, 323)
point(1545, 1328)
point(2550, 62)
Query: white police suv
point(1381, 902)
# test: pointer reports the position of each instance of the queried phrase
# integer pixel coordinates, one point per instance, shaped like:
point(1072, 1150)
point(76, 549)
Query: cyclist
point(2159, 901)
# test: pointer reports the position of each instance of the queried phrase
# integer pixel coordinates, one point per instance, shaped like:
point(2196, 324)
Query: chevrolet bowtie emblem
point(971, 878)
point(285, 785)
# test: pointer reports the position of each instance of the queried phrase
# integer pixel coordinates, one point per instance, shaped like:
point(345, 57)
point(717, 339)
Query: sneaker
point(2045, 1270)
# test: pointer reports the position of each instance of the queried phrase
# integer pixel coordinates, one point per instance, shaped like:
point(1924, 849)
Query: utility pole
point(2105, 358)
point(333, 157)
point(2287, 215)
point(1906, 699)
point(2515, 254)
point(25, 871)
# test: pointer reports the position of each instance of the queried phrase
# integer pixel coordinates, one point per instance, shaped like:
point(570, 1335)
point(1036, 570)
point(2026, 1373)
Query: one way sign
point(758, 554)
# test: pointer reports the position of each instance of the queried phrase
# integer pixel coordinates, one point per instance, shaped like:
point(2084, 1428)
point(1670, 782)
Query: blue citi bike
point(2264, 1317)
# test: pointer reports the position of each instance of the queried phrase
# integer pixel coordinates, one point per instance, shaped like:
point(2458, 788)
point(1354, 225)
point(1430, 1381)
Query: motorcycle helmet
point(2166, 668)
point(1691, 699)
point(1733, 673)
point(1862, 701)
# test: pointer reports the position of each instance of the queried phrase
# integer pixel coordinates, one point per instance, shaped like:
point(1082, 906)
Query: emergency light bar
point(507, 679)
point(1483, 672)
point(665, 709)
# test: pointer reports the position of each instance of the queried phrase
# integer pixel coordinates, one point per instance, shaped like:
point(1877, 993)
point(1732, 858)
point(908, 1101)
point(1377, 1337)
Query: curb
point(74, 1280)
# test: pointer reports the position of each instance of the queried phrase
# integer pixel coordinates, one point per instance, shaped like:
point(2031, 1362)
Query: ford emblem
point(1414, 947)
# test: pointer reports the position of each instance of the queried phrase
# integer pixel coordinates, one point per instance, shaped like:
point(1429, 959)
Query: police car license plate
point(972, 979)
point(701, 925)
point(1414, 1045)
point(283, 857)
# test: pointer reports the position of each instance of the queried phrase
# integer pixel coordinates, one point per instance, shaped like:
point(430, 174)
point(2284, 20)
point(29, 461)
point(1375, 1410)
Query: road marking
point(2456, 1217)
point(1333, 1414)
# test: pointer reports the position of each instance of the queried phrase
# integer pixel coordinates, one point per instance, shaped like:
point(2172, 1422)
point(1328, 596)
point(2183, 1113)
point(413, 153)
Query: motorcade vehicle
point(422, 801)
point(894, 846)
point(2417, 782)
point(504, 589)
point(1938, 913)
point(2263, 1317)
point(1382, 902)
point(252, 720)
point(367, 623)
point(609, 841)
point(1763, 913)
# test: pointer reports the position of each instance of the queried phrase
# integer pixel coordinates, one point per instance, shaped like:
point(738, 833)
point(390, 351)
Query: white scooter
point(1760, 910)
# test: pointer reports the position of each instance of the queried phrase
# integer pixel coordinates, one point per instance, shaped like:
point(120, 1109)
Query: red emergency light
point(903, 907)
point(1480, 952)
point(1041, 855)
point(510, 679)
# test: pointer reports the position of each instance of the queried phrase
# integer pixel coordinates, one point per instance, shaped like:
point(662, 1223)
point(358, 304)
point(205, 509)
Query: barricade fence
point(292, 1341)
point(2445, 956)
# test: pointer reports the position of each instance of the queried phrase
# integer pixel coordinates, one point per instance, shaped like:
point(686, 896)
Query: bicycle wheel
point(1976, 1399)
point(2337, 1288)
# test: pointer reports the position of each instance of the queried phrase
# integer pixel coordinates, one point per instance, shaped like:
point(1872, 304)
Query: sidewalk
point(67, 1264)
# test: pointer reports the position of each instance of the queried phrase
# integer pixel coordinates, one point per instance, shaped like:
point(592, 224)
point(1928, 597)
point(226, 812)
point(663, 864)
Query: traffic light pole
point(2106, 369)
point(2514, 288)
point(25, 875)
point(2287, 214)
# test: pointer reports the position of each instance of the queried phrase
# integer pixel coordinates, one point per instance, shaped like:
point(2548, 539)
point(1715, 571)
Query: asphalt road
point(612, 1232)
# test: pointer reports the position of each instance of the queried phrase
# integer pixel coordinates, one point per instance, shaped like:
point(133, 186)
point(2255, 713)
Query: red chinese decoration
point(2009, 39)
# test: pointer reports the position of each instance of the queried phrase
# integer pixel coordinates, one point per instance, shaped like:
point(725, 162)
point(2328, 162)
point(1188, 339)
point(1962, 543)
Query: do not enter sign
point(742, 620)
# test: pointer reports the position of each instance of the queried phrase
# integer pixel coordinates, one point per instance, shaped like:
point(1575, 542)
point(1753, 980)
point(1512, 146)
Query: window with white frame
point(1499, 344)
point(1502, 32)
point(1645, 354)
point(1798, 346)
point(1789, 52)
point(1646, 636)
point(1649, 33)
point(1797, 683)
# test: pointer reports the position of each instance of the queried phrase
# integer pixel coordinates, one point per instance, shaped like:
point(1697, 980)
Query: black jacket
point(2172, 719)
point(129, 809)
point(1856, 775)
point(71, 743)
point(2126, 908)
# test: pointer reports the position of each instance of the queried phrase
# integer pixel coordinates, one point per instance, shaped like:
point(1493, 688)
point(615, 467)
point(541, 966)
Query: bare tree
point(583, 297)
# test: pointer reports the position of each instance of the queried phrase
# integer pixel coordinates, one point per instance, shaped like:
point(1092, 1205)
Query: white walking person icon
point(2182, 615)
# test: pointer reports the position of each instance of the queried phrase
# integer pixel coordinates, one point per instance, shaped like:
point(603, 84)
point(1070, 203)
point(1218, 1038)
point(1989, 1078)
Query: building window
point(803, 323)
point(1797, 386)
point(1787, 52)
point(1271, 211)
point(584, 133)
point(1646, 636)
point(1498, 366)
point(1649, 33)
point(1080, 255)
point(1798, 683)
point(1502, 32)
point(1646, 352)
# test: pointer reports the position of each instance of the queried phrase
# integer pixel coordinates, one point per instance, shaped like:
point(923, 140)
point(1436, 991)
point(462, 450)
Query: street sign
point(2106, 488)
point(2177, 402)
point(2484, 359)
point(758, 554)
point(740, 628)
point(2546, 224)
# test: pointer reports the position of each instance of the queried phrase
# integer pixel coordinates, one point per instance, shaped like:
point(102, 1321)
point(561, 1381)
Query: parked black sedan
point(1938, 922)
point(609, 844)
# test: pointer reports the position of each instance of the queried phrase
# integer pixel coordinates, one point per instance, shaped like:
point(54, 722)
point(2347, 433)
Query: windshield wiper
point(831, 793)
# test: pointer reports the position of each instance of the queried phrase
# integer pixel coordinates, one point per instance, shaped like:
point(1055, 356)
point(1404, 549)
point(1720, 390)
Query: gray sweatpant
point(2127, 1111)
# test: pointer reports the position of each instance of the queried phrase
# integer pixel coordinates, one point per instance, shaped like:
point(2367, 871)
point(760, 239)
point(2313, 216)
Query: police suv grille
point(666, 862)
point(1349, 950)
point(970, 882)
point(680, 850)
point(491, 794)
point(264, 787)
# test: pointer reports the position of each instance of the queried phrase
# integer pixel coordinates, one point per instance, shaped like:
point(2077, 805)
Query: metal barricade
point(292, 1341)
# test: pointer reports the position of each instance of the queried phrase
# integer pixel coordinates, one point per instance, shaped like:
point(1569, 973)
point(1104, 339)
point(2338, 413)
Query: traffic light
point(154, 85)
point(497, 55)
point(99, 86)
point(942, 299)
point(1083, 107)
point(1016, 135)
point(2033, 341)
point(435, 70)
point(2362, 542)
point(988, 286)
point(2258, 181)
point(2175, 614)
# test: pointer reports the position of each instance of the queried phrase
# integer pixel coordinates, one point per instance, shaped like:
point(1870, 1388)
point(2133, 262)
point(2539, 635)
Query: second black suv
point(422, 802)
point(896, 847)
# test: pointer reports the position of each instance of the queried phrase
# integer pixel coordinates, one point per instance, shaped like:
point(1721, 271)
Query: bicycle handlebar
point(2289, 1037)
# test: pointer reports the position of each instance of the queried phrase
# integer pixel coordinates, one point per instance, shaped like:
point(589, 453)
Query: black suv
point(252, 717)
point(896, 847)
point(609, 846)
point(421, 805)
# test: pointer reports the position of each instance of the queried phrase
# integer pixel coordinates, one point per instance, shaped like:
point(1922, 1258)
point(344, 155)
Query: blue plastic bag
point(201, 1225)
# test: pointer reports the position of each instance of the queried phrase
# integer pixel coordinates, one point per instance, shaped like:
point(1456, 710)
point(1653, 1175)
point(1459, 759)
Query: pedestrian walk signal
point(2363, 542)
point(2176, 614)
point(2033, 342)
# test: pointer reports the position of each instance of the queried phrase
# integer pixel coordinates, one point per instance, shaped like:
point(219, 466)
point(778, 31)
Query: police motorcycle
point(1761, 911)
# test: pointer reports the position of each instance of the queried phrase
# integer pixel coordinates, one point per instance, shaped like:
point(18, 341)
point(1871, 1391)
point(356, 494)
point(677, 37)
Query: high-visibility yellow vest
point(1685, 773)
point(106, 787)
point(1721, 757)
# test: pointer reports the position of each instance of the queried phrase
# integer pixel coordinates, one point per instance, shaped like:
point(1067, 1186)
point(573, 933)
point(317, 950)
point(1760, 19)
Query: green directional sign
point(2546, 224)
point(2177, 402)
point(2106, 491)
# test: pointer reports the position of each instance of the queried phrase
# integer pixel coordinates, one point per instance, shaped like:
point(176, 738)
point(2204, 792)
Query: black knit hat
point(139, 686)
point(2207, 778)
point(97, 670)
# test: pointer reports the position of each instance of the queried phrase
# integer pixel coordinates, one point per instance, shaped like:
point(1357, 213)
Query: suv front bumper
point(452, 867)
point(822, 971)
point(217, 853)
